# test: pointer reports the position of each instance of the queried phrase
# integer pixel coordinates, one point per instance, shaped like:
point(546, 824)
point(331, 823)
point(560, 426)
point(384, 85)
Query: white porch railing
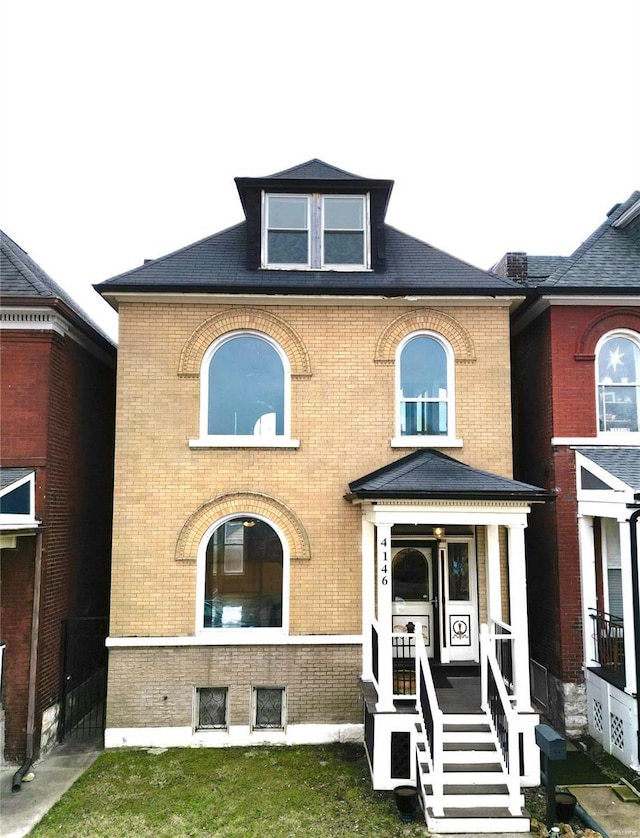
point(503, 719)
point(503, 644)
point(3, 646)
point(431, 737)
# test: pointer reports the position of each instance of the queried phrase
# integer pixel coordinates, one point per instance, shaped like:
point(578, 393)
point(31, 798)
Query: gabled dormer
point(315, 217)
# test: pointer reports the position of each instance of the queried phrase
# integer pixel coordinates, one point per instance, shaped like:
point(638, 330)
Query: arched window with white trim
point(242, 575)
point(425, 393)
point(245, 392)
point(618, 382)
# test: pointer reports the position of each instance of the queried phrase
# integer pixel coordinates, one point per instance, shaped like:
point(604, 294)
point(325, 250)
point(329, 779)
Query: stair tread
point(473, 767)
point(479, 812)
point(469, 746)
point(477, 789)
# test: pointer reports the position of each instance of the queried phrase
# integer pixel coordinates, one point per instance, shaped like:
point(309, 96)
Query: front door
point(413, 592)
point(459, 611)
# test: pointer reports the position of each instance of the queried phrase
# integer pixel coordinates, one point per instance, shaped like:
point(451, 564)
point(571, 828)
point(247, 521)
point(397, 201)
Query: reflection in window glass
point(458, 568)
point(243, 576)
point(288, 230)
point(410, 577)
point(246, 389)
point(423, 388)
point(343, 231)
point(618, 367)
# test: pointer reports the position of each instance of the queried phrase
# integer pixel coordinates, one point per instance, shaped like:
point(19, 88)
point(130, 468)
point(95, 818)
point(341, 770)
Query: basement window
point(268, 711)
point(212, 708)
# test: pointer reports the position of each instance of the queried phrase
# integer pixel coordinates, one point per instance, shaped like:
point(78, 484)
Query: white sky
point(505, 125)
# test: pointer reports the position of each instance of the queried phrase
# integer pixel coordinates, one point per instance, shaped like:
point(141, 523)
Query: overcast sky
point(505, 125)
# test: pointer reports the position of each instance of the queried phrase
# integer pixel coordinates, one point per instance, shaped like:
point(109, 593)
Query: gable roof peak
point(315, 169)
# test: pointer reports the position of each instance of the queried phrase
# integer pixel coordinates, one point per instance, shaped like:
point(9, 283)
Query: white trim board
point(236, 637)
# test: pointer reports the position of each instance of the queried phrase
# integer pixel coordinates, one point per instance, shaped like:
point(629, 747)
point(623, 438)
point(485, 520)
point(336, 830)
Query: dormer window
point(315, 231)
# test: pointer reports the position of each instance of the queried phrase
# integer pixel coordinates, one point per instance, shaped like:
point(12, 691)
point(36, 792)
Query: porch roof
point(621, 462)
point(432, 474)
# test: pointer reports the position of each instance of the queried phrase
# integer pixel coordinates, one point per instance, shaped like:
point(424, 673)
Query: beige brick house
point(316, 532)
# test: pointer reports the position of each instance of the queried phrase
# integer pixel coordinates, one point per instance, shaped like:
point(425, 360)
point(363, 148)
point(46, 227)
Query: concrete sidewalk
point(618, 818)
point(54, 775)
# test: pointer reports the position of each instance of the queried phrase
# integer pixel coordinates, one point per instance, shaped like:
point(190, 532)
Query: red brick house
point(57, 373)
point(576, 390)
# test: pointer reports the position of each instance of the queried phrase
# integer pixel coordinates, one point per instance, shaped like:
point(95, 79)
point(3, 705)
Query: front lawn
point(270, 792)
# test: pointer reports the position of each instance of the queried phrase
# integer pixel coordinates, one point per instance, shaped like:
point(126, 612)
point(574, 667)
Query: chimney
point(513, 266)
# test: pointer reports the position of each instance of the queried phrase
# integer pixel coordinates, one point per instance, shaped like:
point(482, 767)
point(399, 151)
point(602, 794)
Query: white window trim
point(436, 441)
point(21, 521)
point(254, 708)
point(231, 635)
point(315, 229)
point(206, 440)
point(614, 436)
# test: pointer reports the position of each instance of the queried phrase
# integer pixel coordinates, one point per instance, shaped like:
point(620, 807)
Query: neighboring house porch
point(445, 640)
point(608, 491)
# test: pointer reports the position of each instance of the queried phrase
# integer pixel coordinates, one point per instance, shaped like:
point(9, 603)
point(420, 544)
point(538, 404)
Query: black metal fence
point(608, 642)
point(84, 677)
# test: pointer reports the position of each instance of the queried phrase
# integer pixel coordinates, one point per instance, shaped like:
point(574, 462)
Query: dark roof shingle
point(432, 474)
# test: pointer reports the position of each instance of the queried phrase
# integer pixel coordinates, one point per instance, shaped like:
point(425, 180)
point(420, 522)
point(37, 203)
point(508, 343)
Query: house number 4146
point(384, 562)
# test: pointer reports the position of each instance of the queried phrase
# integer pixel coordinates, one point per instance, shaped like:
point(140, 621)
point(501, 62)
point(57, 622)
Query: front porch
point(445, 653)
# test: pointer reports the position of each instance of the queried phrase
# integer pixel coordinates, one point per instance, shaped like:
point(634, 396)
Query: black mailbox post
point(553, 747)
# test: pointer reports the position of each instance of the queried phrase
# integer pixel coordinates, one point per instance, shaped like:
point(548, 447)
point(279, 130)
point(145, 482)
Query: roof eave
point(524, 497)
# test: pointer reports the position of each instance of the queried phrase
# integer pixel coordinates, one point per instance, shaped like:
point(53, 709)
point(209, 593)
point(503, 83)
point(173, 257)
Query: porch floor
point(456, 692)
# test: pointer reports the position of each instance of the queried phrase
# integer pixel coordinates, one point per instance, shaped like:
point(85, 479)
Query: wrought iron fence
point(84, 677)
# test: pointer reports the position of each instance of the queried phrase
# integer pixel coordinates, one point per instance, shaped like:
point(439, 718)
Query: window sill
point(426, 442)
point(244, 442)
point(611, 438)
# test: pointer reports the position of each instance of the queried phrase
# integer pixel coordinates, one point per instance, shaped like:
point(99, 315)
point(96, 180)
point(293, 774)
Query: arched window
point(618, 382)
point(244, 390)
point(424, 380)
point(242, 562)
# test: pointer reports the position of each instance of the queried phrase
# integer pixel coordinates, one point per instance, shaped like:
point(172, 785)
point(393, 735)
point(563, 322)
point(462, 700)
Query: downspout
point(635, 586)
point(33, 666)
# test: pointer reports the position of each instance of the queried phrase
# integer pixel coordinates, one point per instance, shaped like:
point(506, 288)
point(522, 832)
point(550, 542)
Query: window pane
point(246, 383)
point(423, 418)
point(17, 502)
point(269, 708)
point(423, 369)
point(212, 708)
point(410, 578)
point(458, 566)
point(243, 589)
point(343, 214)
point(288, 248)
point(618, 371)
point(618, 361)
point(287, 213)
point(343, 249)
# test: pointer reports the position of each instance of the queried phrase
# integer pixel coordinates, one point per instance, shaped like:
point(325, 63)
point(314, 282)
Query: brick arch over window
point(236, 320)
point(429, 320)
point(619, 318)
point(242, 503)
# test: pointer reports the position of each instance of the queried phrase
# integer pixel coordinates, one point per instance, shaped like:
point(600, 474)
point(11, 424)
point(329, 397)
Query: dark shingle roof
point(12, 475)
point(314, 170)
point(621, 462)
point(609, 258)
point(431, 474)
point(218, 264)
point(542, 267)
point(21, 277)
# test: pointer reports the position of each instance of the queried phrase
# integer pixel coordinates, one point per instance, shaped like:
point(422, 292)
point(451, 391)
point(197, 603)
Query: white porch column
point(385, 662)
point(586, 548)
point(368, 547)
point(494, 593)
point(519, 622)
point(628, 608)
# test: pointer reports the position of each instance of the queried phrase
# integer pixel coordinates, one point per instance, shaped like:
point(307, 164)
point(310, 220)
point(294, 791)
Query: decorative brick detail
point(427, 319)
point(607, 321)
point(242, 503)
point(236, 320)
